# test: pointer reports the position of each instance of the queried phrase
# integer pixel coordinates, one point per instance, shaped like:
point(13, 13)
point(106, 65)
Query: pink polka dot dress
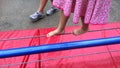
point(94, 11)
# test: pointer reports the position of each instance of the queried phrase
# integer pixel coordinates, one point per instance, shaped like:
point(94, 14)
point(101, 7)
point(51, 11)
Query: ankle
point(40, 12)
point(59, 30)
point(85, 28)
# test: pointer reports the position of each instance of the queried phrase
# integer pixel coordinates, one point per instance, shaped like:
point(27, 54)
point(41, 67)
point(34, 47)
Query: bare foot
point(79, 31)
point(54, 32)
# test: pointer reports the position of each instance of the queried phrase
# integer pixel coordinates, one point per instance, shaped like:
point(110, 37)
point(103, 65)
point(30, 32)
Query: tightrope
point(29, 37)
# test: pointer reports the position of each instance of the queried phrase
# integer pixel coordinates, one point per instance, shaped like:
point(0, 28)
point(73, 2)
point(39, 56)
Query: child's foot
point(54, 32)
point(79, 31)
point(51, 11)
point(36, 16)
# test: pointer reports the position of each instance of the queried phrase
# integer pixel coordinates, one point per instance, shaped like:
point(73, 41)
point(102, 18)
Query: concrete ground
point(14, 15)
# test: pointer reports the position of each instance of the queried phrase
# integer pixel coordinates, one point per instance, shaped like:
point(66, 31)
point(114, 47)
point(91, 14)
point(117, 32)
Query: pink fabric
point(94, 11)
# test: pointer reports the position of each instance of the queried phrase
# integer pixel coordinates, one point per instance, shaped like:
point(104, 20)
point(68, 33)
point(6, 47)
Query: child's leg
point(40, 12)
point(84, 26)
point(83, 29)
point(42, 5)
point(61, 26)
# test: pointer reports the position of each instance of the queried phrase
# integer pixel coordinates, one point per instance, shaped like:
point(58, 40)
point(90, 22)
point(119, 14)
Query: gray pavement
point(14, 15)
